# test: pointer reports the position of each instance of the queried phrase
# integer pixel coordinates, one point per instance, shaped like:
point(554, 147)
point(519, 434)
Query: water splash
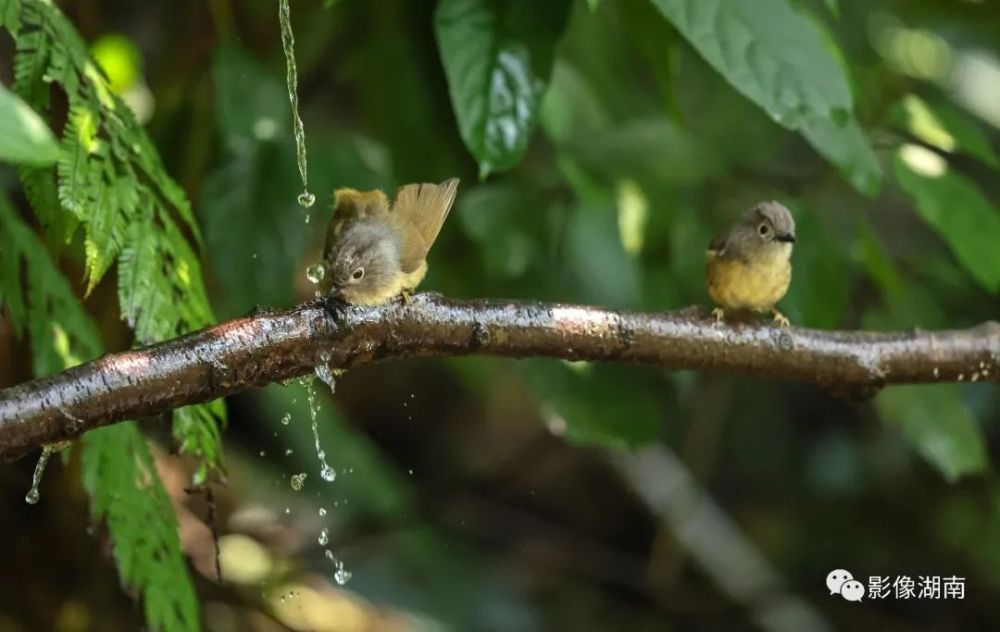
point(315, 273)
point(341, 575)
point(298, 481)
point(322, 511)
point(33, 494)
point(326, 472)
point(306, 198)
point(286, 419)
point(324, 537)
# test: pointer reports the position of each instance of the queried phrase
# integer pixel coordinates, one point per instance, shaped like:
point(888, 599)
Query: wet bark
point(254, 351)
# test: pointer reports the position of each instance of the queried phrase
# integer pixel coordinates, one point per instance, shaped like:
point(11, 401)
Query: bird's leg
point(405, 295)
point(718, 314)
point(780, 319)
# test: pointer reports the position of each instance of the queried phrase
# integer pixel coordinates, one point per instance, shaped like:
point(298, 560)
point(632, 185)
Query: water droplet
point(298, 480)
point(411, 471)
point(322, 511)
point(288, 452)
point(33, 494)
point(262, 453)
point(315, 273)
point(341, 575)
point(326, 472)
point(286, 419)
point(292, 79)
point(288, 510)
point(324, 537)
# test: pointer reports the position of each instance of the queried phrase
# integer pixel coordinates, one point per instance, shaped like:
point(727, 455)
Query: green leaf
point(938, 424)
point(196, 429)
point(126, 492)
point(955, 208)
point(11, 292)
point(24, 137)
point(61, 333)
point(778, 59)
point(497, 56)
point(10, 16)
point(943, 126)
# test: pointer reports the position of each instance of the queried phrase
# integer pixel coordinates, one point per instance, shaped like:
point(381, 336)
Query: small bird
point(375, 251)
point(750, 268)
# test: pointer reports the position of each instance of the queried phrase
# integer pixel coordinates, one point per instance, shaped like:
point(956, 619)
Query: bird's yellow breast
point(749, 285)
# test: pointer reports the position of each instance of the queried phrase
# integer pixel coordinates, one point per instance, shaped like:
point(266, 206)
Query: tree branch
point(254, 351)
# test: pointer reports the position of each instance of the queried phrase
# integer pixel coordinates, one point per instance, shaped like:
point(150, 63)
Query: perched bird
point(375, 251)
point(749, 268)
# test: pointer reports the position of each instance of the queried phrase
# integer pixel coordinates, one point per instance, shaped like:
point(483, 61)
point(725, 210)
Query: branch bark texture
point(256, 350)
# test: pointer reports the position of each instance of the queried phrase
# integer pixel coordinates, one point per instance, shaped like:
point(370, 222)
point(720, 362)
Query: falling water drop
point(36, 479)
point(315, 273)
point(322, 511)
point(306, 198)
point(324, 537)
point(326, 472)
point(298, 480)
point(286, 419)
point(341, 575)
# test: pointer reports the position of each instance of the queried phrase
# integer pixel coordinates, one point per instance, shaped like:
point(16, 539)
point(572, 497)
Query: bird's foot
point(405, 296)
point(780, 319)
point(719, 314)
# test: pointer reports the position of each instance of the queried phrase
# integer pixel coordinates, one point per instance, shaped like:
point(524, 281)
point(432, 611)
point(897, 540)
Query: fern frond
point(10, 15)
point(126, 492)
point(107, 166)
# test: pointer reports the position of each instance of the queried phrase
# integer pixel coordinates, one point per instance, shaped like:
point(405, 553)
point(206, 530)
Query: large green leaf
point(956, 209)
point(936, 421)
point(779, 60)
point(497, 56)
point(24, 137)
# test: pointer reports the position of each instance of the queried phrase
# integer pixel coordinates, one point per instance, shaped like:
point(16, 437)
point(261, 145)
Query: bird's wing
point(417, 214)
point(350, 206)
point(717, 247)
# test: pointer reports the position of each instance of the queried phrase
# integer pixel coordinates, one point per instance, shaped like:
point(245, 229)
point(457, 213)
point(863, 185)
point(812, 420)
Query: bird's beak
point(787, 238)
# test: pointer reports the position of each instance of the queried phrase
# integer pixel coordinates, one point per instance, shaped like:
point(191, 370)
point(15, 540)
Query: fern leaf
point(10, 16)
point(126, 492)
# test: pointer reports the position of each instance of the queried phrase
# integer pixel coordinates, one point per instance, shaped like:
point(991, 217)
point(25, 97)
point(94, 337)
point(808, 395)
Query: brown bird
point(375, 251)
point(750, 268)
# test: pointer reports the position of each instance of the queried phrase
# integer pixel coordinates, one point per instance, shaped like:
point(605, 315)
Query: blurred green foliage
point(601, 145)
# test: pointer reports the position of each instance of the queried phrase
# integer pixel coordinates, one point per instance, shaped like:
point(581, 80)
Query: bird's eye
point(357, 274)
point(763, 230)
